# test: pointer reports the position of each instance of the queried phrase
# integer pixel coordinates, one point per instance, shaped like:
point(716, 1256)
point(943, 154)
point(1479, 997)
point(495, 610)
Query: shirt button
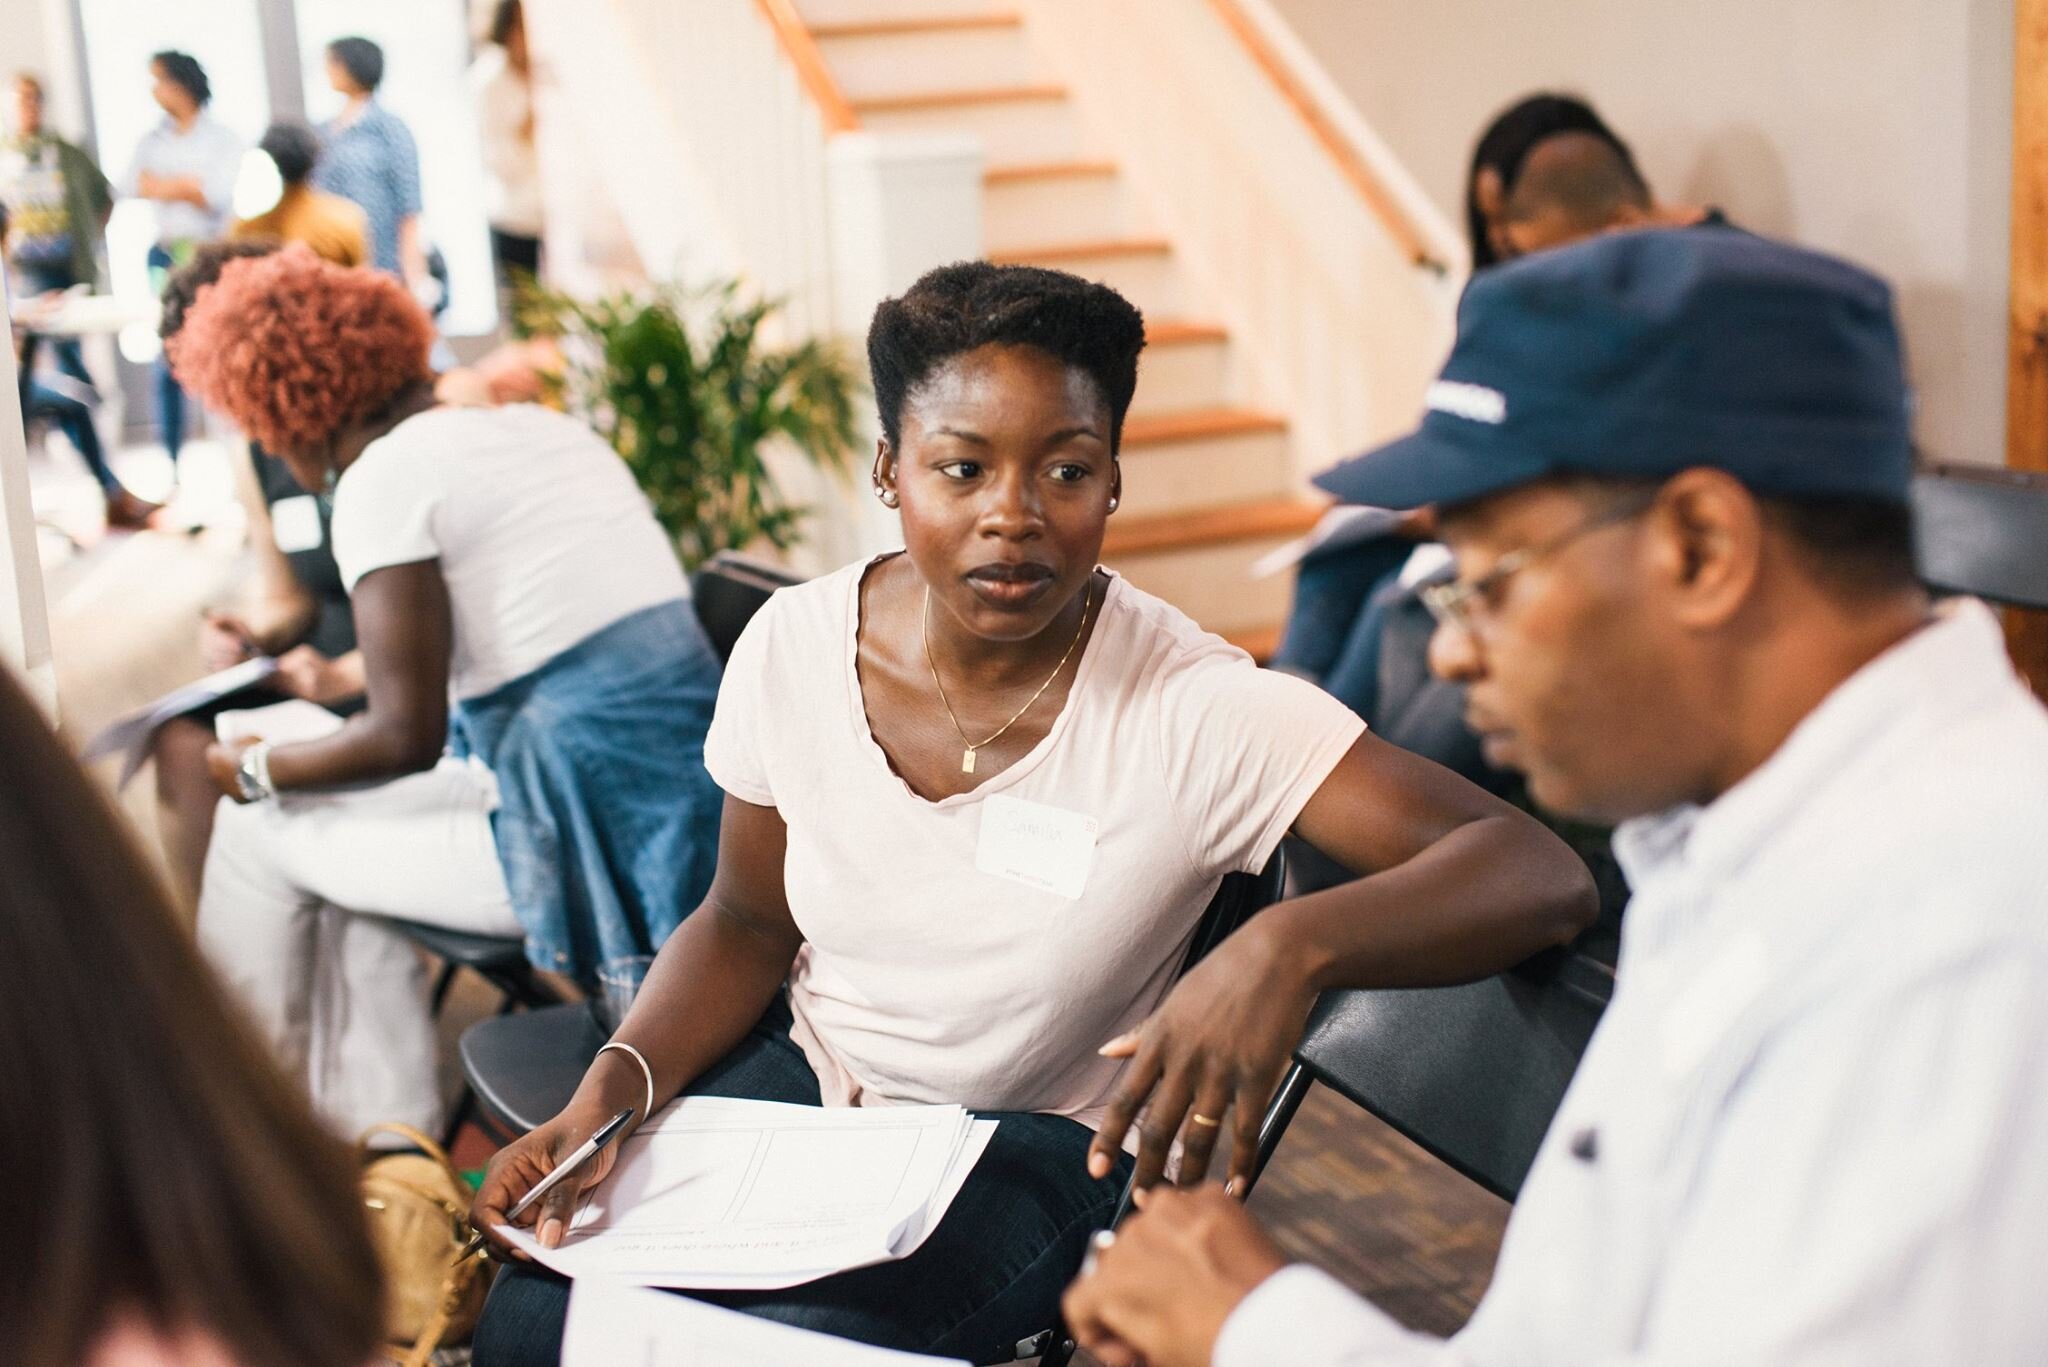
point(1585, 1144)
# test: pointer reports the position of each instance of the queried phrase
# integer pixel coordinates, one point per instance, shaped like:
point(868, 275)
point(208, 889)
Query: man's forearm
point(369, 748)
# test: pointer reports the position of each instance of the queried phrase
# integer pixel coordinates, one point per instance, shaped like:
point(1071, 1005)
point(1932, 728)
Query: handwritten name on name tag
point(1042, 847)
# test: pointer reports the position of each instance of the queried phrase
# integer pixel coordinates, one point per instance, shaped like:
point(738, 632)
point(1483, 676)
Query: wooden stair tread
point(1081, 251)
point(1180, 331)
point(1193, 424)
point(946, 99)
point(1261, 643)
point(1046, 170)
point(1210, 526)
point(933, 23)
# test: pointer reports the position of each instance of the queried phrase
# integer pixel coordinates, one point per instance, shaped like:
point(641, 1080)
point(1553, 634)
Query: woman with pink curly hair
point(505, 558)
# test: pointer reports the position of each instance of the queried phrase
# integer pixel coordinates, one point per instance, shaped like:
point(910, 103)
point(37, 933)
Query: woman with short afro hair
point(501, 556)
point(977, 794)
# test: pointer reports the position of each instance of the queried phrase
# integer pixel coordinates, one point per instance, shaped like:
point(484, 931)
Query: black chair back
point(1984, 531)
point(727, 590)
point(1473, 1074)
point(1239, 897)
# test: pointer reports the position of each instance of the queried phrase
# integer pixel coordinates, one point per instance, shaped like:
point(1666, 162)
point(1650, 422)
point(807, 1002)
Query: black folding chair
point(1472, 1074)
point(499, 960)
point(726, 592)
point(1983, 531)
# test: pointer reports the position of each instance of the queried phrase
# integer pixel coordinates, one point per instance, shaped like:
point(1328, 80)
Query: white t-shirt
point(922, 977)
point(542, 535)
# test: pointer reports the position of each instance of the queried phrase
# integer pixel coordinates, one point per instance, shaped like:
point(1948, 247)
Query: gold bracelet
point(645, 1071)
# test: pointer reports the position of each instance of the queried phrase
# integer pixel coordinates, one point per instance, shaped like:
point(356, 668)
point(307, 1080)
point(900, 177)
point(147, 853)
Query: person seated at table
point(1811, 1126)
point(335, 228)
point(503, 556)
point(977, 794)
point(297, 611)
point(181, 1207)
point(66, 405)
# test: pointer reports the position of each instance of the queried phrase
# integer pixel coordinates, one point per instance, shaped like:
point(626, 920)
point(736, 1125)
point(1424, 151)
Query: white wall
point(35, 35)
point(1878, 129)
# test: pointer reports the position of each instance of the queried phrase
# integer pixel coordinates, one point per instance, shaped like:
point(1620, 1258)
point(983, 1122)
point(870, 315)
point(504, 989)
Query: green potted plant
point(685, 388)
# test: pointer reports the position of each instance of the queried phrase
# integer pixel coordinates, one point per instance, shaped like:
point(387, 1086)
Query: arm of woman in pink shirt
point(711, 981)
point(1457, 885)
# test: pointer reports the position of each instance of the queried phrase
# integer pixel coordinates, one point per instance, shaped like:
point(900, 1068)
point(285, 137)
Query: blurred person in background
point(371, 158)
point(187, 1209)
point(501, 82)
point(335, 228)
point(503, 558)
point(1499, 155)
point(185, 168)
point(54, 203)
point(56, 400)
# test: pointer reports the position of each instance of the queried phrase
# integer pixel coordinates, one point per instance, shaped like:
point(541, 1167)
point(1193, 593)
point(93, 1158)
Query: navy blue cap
point(1640, 354)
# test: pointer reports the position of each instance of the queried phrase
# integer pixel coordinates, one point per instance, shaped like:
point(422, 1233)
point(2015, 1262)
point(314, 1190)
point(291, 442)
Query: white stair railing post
point(897, 206)
point(24, 614)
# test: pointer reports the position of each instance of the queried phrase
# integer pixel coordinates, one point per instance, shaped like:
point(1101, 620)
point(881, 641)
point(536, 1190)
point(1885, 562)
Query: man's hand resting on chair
point(1159, 1293)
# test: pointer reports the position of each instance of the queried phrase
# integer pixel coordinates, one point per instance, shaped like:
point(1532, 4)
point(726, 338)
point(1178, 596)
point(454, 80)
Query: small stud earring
point(1113, 502)
point(888, 497)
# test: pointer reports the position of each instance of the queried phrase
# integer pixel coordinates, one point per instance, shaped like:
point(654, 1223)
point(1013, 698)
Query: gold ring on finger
point(1205, 1121)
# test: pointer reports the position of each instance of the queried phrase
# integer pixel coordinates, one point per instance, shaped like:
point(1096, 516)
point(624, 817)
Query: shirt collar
point(1952, 663)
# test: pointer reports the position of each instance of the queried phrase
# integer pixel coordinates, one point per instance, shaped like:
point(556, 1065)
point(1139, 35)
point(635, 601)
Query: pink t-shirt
point(924, 978)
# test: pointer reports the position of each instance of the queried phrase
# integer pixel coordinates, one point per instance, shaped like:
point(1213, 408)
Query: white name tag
point(295, 522)
point(1039, 846)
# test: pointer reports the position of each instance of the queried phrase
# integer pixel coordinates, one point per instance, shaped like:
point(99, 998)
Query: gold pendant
point(967, 762)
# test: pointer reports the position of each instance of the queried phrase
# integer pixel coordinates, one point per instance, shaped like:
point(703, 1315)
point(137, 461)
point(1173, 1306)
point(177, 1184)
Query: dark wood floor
point(1351, 1196)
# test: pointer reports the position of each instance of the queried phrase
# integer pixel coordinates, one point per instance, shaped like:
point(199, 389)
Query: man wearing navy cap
point(1813, 1125)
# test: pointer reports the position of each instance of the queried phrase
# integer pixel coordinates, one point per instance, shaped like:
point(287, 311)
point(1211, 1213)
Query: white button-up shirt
point(1813, 1125)
point(210, 150)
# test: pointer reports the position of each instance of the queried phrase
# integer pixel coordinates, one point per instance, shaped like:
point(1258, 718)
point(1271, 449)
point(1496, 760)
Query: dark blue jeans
point(170, 400)
point(1331, 638)
point(74, 419)
point(41, 279)
point(989, 1275)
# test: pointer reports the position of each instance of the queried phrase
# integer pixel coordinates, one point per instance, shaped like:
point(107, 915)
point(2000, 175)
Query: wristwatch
point(252, 774)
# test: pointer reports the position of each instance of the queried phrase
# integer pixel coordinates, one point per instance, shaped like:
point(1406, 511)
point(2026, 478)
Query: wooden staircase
point(1208, 479)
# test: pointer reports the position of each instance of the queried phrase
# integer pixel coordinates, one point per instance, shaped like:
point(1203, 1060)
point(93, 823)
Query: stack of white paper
point(729, 1195)
point(135, 732)
point(614, 1325)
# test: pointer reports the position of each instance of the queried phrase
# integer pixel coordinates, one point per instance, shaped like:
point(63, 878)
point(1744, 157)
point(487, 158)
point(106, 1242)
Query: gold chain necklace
point(924, 634)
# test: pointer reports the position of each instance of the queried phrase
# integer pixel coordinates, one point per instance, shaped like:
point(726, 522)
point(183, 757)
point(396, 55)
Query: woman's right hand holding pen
point(520, 1165)
point(225, 640)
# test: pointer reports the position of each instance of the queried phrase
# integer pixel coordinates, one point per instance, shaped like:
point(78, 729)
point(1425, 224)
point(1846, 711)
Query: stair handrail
point(1308, 90)
point(801, 48)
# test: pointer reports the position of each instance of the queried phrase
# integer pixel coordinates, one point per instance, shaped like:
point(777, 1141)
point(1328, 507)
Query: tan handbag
point(418, 1209)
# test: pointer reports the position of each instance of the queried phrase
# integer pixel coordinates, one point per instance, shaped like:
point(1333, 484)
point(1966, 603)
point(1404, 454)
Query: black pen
point(585, 1151)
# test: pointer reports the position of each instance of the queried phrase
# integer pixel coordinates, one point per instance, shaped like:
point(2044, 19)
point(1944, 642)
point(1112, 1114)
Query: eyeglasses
point(1467, 606)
